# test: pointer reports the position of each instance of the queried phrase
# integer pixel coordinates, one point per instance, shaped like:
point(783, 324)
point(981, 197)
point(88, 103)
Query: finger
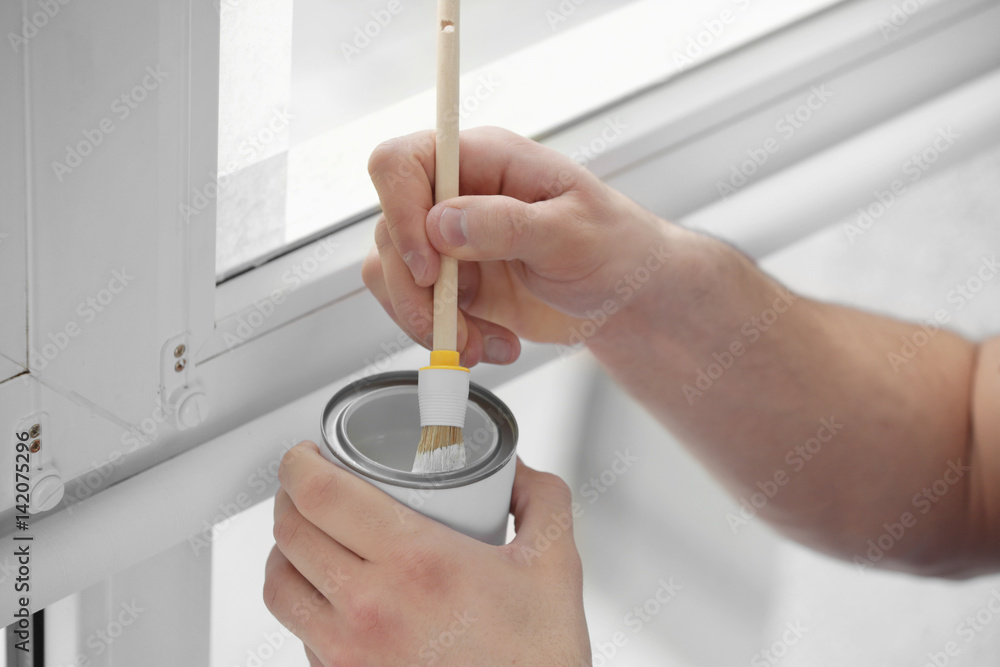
point(478, 228)
point(411, 305)
point(490, 342)
point(311, 657)
point(469, 277)
point(402, 171)
point(497, 161)
point(350, 510)
point(542, 507)
point(292, 599)
point(374, 279)
point(484, 340)
point(493, 161)
point(325, 563)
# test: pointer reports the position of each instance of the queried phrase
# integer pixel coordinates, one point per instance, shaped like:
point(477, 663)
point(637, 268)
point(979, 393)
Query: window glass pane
point(309, 88)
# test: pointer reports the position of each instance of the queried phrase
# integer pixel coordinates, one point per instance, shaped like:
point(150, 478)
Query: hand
point(541, 242)
point(363, 579)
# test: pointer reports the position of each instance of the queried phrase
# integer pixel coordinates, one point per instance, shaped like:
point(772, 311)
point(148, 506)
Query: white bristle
point(442, 459)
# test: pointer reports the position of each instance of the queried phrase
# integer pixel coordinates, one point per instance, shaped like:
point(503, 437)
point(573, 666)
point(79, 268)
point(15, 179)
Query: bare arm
point(818, 417)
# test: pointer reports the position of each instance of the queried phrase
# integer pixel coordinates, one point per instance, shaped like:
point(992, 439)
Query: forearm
point(799, 409)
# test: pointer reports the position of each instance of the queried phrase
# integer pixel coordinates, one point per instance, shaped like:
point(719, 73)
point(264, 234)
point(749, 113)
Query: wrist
point(697, 303)
point(659, 282)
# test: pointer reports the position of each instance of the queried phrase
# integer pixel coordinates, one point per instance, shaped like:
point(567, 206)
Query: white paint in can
point(372, 428)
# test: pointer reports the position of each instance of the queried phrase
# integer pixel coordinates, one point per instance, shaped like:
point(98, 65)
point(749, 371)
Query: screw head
point(179, 351)
point(179, 366)
point(35, 446)
point(35, 431)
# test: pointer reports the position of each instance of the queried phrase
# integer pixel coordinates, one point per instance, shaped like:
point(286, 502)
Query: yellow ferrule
point(447, 359)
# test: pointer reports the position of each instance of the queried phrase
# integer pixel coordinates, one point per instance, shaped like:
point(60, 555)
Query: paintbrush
point(443, 387)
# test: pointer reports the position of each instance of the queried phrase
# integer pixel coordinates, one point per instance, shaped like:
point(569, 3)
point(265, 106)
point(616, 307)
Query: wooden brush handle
point(446, 167)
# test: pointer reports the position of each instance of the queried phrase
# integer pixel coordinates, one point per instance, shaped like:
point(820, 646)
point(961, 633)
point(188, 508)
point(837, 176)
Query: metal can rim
point(495, 410)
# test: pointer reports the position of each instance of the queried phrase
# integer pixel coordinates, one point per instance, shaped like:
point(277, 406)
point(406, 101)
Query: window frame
point(328, 329)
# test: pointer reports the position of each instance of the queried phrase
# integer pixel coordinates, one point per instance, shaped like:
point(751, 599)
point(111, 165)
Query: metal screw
point(35, 446)
point(180, 350)
point(35, 431)
point(179, 366)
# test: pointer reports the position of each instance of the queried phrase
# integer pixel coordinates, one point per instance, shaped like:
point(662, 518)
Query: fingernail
point(454, 226)
point(496, 350)
point(464, 297)
point(417, 264)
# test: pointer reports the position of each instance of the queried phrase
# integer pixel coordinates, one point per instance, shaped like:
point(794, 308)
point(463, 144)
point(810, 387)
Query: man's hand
point(746, 373)
point(363, 579)
point(541, 242)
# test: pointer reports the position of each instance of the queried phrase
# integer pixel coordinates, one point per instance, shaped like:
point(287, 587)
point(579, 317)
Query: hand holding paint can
point(371, 428)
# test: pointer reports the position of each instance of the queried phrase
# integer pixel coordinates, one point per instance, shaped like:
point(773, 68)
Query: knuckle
point(412, 312)
point(423, 568)
point(319, 492)
point(272, 588)
point(515, 225)
point(384, 156)
point(332, 650)
point(560, 490)
point(285, 528)
point(365, 612)
point(371, 271)
point(288, 458)
point(383, 238)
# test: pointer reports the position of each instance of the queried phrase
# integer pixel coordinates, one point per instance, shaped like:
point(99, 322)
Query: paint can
point(372, 428)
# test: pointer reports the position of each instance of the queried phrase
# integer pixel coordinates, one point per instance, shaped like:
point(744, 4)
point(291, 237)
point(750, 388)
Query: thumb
point(543, 512)
point(480, 228)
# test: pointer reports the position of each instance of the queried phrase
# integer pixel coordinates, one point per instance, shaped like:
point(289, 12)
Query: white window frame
point(266, 390)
